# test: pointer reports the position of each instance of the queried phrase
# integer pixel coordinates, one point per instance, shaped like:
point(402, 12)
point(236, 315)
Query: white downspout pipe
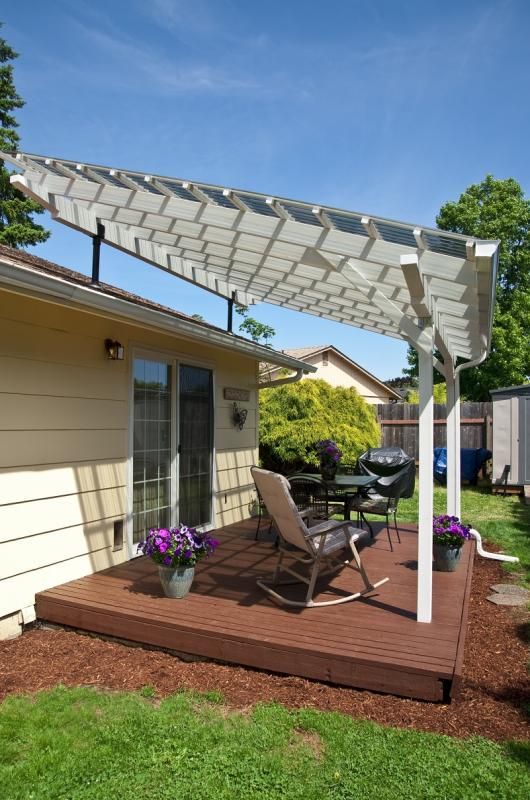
point(283, 381)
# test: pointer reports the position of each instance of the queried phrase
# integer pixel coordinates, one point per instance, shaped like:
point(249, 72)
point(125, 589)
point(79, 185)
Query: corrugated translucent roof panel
point(257, 204)
point(218, 197)
point(346, 223)
point(177, 188)
point(141, 183)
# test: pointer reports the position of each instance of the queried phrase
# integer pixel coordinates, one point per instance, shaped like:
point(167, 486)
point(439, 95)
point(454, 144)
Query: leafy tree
point(296, 416)
point(496, 209)
point(17, 228)
point(258, 331)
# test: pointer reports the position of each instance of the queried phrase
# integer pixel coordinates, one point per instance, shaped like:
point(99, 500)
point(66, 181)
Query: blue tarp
point(471, 460)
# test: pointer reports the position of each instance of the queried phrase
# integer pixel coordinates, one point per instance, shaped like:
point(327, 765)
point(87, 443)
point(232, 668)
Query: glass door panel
point(151, 447)
point(195, 445)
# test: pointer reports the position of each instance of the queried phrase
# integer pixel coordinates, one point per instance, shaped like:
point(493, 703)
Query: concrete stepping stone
point(510, 588)
point(508, 599)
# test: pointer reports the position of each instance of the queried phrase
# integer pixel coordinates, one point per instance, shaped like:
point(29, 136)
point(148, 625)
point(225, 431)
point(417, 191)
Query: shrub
point(293, 418)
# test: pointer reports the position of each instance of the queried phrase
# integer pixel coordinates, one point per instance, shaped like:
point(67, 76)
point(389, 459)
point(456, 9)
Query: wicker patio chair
point(324, 548)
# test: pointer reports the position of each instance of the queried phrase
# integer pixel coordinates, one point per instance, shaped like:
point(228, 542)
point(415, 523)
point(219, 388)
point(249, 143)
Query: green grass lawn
point(73, 744)
point(502, 520)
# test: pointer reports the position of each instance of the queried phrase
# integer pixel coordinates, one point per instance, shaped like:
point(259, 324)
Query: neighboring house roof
point(303, 353)
point(29, 274)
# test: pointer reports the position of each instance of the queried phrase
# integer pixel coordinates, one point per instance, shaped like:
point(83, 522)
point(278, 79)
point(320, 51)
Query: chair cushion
point(336, 539)
point(370, 505)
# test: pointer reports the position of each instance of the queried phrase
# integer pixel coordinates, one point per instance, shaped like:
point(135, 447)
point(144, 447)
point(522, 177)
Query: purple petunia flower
point(180, 546)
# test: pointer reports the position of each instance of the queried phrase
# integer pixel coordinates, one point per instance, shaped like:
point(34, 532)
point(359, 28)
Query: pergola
point(433, 289)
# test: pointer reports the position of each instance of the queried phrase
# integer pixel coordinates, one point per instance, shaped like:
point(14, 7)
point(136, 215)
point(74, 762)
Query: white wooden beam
point(159, 186)
point(196, 192)
point(420, 241)
point(232, 196)
point(277, 208)
point(414, 279)
point(66, 171)
point(424, 587)
point(85, 220)
point(127, 182)
point(369, 227)
point(412, 332)
point(470, 251)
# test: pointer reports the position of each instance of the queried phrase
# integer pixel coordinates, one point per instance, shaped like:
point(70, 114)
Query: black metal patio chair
point(396, 475)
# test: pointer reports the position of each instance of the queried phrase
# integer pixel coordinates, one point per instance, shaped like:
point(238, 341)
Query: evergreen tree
point(496, 209)
point(17, 228)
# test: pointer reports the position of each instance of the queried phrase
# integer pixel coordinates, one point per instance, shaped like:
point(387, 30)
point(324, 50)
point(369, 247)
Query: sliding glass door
point(152, 446)
point(172, 448)
point(195, 445)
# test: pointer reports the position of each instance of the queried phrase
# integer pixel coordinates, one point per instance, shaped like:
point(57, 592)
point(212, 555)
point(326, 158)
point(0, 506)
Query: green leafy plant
point(258, 331)
point(295, 416)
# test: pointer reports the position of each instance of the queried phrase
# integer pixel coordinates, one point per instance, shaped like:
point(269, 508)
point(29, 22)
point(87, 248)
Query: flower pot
point(328, 471)
point(176, 581)
point(446, 558)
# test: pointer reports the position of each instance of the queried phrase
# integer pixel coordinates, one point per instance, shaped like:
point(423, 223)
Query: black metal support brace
point(96, 246)
point(230, 322)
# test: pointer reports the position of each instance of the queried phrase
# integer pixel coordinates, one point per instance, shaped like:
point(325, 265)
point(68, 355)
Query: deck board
point(373, 643)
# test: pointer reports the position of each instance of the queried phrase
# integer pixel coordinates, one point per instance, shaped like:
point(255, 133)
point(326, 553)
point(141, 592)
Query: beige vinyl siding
point(64, 440)
point(338, 372)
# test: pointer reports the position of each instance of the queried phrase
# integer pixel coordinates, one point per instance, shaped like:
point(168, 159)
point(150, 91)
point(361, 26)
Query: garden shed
point(511, 435)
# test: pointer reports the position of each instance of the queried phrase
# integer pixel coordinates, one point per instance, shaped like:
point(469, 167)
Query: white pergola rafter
point(414, 283)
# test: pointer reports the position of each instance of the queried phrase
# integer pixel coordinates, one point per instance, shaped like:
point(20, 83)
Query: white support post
point(458, 480)
point(451, 441)
point(424, 591)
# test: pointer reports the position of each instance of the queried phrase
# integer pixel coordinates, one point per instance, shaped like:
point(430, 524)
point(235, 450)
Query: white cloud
point(135, 66)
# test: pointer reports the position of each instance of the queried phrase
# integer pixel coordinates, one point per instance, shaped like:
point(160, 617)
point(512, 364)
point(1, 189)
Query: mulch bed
point(491, 702)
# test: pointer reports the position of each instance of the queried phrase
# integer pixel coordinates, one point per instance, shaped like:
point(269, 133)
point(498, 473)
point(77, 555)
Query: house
point(432, 289)
point(118, 414)
point(338, 370)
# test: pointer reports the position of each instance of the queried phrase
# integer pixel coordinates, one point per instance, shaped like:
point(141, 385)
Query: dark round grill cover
point(394, 468)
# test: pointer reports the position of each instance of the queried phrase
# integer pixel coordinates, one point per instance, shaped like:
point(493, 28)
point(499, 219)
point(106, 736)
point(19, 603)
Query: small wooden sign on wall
point(236, 394)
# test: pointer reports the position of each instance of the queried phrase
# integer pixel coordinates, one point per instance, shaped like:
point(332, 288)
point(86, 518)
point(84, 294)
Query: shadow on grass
point(523, 632)
point(519, 751)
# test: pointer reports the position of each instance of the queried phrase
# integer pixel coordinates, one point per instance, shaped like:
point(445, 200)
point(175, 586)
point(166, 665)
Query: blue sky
point(388, 108)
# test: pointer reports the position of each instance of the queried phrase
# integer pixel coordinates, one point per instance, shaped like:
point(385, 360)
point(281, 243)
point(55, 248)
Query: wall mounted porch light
point(239, 416)
point(114, 349)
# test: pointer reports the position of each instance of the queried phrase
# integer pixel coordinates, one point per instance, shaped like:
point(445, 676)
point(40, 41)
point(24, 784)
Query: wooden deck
point(374, 643)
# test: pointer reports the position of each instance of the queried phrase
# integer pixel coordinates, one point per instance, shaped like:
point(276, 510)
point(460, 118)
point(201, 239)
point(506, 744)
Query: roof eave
point(25, 280)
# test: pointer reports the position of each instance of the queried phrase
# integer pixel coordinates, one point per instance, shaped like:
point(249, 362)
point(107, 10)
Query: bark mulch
point(491, 702)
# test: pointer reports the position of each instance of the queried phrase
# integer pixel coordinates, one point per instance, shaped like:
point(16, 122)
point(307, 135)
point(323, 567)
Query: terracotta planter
point(446, 558)
point(176, 581)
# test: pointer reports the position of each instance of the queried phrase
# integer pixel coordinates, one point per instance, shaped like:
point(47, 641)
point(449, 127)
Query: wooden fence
point(399, 426)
